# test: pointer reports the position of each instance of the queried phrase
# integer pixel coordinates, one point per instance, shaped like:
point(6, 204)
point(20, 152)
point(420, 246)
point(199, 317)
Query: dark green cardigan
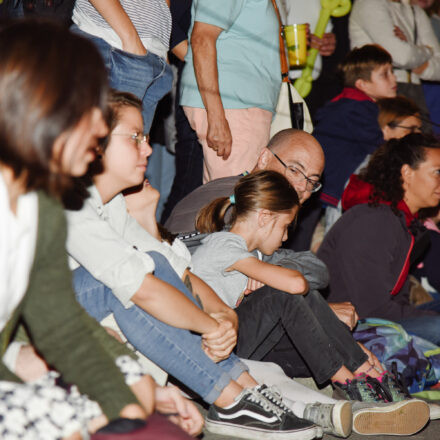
point(62, 332)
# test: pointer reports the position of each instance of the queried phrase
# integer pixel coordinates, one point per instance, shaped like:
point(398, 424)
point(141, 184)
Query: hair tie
point(232, 199)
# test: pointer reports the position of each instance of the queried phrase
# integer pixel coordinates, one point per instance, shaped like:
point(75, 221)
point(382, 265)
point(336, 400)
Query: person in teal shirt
point(231, 81)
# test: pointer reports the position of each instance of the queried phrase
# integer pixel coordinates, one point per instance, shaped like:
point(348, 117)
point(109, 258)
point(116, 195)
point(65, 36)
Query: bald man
point(294, 153)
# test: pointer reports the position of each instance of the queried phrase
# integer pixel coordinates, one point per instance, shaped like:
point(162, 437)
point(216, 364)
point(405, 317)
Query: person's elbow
point(298, 285)
point(146, 292)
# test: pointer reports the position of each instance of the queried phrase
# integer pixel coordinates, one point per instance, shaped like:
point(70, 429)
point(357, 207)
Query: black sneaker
point(253, 416)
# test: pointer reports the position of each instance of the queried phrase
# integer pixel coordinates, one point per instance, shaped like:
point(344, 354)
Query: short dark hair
point(384, 170)
point(361, 61)
point(49, 79)
point(116, 101)
point(396, 109)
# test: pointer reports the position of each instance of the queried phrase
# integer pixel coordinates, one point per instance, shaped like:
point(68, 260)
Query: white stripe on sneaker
point(251, 414)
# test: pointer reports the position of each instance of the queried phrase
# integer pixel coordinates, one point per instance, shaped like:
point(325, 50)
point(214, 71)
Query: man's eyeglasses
point(137, 137)
point(299, 176)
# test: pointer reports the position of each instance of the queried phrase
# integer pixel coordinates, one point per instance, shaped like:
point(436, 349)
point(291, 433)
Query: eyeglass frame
point(317, 185)
point(137, 137)
point(411, 128)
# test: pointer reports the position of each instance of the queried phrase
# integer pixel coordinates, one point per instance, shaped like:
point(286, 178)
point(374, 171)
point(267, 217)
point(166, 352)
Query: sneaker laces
point(273, 395)
point(399, 383)
point(254, 395)
point(374, 388)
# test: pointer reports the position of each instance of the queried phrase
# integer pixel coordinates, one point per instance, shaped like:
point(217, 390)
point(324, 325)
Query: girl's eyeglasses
point(137, 137)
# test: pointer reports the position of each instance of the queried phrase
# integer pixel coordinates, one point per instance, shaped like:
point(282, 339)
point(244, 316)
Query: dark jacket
point(368, 254)
point(348, 130)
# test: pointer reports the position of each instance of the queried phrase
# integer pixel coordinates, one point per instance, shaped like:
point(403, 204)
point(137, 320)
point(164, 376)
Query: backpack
point(416, 360)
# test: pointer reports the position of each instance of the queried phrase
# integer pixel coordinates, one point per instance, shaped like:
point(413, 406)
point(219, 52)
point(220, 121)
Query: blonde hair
point(259, 190)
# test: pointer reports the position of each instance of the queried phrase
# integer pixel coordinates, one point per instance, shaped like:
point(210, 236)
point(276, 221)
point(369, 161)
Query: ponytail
point(258, 190)
point(211, 218)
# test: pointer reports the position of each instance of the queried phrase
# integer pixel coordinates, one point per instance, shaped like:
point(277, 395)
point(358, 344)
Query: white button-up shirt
point(112, 246)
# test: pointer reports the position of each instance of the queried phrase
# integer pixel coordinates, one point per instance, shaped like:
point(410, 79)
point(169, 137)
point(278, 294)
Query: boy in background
point(347, 127)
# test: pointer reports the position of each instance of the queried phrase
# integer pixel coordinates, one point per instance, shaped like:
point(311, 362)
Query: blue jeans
point(175, 350)
point(149, 76)
point(426, 327)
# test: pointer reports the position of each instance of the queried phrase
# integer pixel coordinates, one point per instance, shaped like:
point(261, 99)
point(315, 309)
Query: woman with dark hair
point(53, 88)
point(370, 249)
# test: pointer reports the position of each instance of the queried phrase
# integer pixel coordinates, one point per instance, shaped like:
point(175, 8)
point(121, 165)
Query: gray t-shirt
point(210, 261)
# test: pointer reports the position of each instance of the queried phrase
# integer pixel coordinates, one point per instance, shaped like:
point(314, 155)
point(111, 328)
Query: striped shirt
point(151, 18)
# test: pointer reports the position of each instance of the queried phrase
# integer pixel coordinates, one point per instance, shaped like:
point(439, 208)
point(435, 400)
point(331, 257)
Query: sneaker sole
point(402, 418)
point(342, 418)
point(237, 431)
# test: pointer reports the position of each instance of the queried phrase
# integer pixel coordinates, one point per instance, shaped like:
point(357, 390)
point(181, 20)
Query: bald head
point(297, 149)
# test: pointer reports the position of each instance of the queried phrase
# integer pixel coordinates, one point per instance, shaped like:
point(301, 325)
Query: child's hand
point(252, 285)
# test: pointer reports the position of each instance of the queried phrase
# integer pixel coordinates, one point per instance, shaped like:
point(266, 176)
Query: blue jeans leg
point(149, 77)
point(175, 350)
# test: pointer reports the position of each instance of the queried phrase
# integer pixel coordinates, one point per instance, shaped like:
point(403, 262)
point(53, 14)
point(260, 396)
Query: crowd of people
point(269, 250)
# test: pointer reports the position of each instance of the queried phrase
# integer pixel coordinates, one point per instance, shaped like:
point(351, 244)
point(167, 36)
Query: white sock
point(297, 407)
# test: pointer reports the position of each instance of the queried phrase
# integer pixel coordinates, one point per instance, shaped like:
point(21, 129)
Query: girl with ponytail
point(262, 206)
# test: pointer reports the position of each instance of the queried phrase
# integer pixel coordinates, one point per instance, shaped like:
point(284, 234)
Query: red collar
point(352, 93)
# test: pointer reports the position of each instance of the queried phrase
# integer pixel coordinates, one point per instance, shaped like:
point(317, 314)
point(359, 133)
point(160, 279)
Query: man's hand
point(179, 410)
point(219, 344)
point(346, 312)
point(219, 136)
point(419, 70)
point(325, 45)
point(372, 359)
point(399, 33)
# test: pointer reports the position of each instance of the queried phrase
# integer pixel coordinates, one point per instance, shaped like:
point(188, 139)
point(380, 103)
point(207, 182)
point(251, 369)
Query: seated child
point(347, 127)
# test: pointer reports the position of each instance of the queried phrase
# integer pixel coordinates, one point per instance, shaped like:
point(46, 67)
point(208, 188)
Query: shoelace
point(255, 396)
point(274, 396)
point(399, 381)
point(373, 388)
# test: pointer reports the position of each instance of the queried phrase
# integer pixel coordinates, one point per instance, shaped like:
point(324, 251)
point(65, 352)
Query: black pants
point(320, 343)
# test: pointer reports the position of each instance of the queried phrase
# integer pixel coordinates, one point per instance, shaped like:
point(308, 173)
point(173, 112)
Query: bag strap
point(283, 57)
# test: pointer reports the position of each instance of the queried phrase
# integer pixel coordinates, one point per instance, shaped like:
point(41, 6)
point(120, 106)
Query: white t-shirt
point(18, 236)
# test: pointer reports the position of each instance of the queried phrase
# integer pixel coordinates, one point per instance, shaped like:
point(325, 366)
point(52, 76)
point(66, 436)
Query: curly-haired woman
point(370, 249)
